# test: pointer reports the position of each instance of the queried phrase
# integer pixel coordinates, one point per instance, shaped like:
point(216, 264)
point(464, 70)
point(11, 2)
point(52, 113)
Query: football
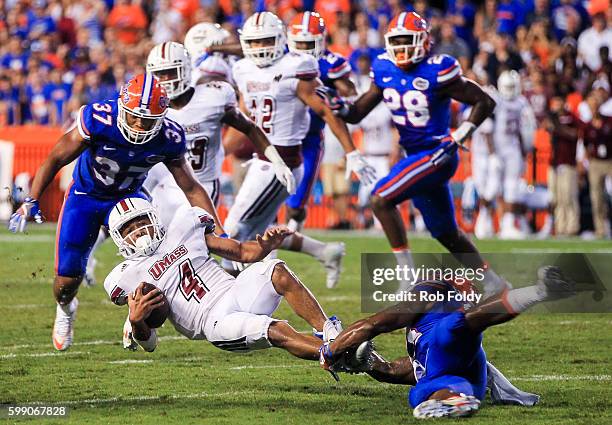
point(158, 316)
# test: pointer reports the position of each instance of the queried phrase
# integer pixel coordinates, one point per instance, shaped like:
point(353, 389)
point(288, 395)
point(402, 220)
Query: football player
point(201, 111)
point(307, 34)
point(446, 362)
point(277, 88)
point(513, 135)
point(205, 301)
point(198, 41)
point(417, 88)
point(116, 142)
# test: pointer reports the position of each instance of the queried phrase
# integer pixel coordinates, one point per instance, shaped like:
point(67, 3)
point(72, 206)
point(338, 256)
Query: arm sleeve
point(114, 286)
point(448, 70)
point(83, 122)
point(307, 67)
point(340, 68)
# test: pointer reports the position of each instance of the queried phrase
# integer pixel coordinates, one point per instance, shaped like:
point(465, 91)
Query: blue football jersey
point(420, 113)
point(331, 67)
point(111, 166)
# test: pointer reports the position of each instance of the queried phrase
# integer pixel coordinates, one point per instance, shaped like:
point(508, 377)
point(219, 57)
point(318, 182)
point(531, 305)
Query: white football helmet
point(261, 26)
point(509, 85)
point(203, 35)
point(142, 241)
point(170, 63)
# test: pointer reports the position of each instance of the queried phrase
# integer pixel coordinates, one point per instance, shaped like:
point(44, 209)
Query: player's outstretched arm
point(467, 91)
point(249, 251)
point(395, 317)
point(399, 371)
point(307, 93)
point(194, 191)
point(363, 105)
point(235, 118)
point(67, 148)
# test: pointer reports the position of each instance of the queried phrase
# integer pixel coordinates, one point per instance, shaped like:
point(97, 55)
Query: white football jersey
point(269, 94)
point(201, 119)
point(508, 115)
point(182, 268)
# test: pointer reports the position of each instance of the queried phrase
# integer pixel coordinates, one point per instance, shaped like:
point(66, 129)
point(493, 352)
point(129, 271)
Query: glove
point(357, 164)
point(332, 100)
point(283, 173)
point(285, 176)
point(29, 209)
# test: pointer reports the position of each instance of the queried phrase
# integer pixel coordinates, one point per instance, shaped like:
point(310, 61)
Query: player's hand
point(273, 237)
point(356, 163)
point(28, 210)
point(141, 305)
point(333, 100)
point(285, 176)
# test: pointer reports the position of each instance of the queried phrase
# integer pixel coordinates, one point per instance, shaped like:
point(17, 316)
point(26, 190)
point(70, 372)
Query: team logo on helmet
point(164, 102)
point(125, 93)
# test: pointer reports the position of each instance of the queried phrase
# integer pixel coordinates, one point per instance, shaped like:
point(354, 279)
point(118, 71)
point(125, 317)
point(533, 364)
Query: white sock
point(521, 299)
point(68, 308)
point(295, 225)
point(403, 256)
point(310, 246)
point(493, 284)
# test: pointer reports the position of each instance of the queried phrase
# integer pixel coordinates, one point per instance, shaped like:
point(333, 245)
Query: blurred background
point(57, 55)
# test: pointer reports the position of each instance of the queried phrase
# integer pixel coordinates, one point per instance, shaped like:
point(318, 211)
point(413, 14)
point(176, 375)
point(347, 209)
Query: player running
point(307, 34)
point(116, 142)
point(202, 111)
point(277, 88)
point(445, 362)
point(417, 88)
point(205, 301)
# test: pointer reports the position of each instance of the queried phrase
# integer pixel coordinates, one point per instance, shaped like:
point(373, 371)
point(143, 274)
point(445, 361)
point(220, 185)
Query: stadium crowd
point(56, 55)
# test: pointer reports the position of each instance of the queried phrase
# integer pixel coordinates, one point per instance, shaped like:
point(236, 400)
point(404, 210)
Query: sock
point(520, 299)
point(310, 246)
point(68, 308)
point(504, 392)
point(493, 284)
point(295, 225)
point(403, 256)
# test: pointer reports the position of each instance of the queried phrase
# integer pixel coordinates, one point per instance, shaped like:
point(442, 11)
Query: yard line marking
point(27, 238)
point(559, 250)
point(50, 305)
point(96, 342)
point(130, 361)
point(144, 398)
point(563, 378)
point(53, 354)
point(278, 366)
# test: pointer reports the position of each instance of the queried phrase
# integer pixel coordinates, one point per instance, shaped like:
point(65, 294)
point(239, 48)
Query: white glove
point(283, 173)
point(356, 163)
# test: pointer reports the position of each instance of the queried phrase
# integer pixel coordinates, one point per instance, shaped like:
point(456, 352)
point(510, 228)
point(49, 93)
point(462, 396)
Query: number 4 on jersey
point(191, 284)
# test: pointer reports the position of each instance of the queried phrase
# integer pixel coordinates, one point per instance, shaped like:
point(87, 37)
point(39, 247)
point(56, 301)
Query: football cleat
point(332, 261)
point(452, 407)
point(128, 340)
point(63, 328)
point(554, 284)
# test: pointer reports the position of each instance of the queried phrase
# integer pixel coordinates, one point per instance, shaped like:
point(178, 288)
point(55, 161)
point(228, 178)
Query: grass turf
point(565, 358)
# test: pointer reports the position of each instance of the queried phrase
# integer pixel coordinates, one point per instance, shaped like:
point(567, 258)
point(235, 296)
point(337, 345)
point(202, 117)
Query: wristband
point(463, 131)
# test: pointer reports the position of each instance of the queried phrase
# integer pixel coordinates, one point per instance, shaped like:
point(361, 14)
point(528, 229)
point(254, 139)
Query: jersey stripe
point(83, 131)
point(339, 71)
point(449, 76)
point(449, 69)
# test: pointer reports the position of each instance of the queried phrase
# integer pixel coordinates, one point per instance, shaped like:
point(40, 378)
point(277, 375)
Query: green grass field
point(565, 358)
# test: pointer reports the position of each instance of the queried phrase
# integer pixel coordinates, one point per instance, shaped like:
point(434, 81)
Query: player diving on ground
point(205, 301)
